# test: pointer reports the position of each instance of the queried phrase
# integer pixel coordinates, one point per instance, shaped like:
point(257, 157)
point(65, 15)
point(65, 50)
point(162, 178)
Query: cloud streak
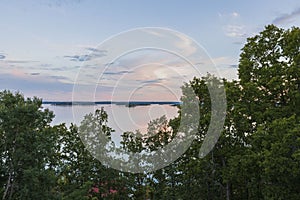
point(94, 53)
point(287, 18)
point(34, 74)
point(117, 73)
point(29, 85)
point(235, 31)
point(20, 61)
point(154, 81)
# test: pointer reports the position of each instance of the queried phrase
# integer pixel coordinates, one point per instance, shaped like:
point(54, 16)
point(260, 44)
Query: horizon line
point(128, 103)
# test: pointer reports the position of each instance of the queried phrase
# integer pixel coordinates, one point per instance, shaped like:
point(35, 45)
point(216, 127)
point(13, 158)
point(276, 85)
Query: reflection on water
point(120, 117)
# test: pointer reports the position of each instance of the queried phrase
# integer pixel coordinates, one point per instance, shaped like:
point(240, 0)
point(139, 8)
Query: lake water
point(120, 117)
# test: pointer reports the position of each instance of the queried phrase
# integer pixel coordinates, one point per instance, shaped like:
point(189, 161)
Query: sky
point(65, 50)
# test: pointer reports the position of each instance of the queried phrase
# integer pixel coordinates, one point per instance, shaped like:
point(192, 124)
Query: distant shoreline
point(124, 103)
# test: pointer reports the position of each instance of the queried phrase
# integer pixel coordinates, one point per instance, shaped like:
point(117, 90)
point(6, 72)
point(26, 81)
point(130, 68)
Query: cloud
point(224, 61)
point(153, 81)
point(94, 53)
point(233, 25)
point(235, 31)
point(235, 14)
point(34, 74)
point(117, 73)
point(185, 44)
point(33, 86)
point(153, 32)
point(2, 56)
point(79, 58)
point(108, 64)
point(231, 16)
point(46, 65)
point(20, 61)
point(58, 77)
point(64, 68)
point(96, 50)
point(287, 18)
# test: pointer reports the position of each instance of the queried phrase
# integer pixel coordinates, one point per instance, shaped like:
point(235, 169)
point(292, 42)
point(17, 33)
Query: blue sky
point(45, 44)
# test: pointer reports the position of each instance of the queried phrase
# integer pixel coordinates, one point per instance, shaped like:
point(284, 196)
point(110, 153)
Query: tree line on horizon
point(257, 155)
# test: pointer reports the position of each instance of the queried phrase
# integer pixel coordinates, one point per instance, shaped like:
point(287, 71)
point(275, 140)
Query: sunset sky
point(48, 47)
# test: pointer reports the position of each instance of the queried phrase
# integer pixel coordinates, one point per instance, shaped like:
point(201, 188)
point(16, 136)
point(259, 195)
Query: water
point(120, 117)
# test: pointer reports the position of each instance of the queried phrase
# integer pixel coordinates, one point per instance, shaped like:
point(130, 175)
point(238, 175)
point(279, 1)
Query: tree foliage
point(27, 147)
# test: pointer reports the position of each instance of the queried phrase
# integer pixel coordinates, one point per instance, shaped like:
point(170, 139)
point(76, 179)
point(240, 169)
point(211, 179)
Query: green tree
point(256, 155)
point(82, 176)
point(269, 75)
point(26, 149)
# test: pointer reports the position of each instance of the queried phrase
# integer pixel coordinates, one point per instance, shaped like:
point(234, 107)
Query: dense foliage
point(256, 157)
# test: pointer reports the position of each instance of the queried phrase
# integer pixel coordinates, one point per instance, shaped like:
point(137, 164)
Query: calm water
point(121, 118)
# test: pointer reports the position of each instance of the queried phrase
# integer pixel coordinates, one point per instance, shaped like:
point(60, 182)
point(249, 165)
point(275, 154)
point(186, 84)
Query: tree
point(26, 149)
point(81, 175)
point(256, 155)
point(270, 77)
point(269, 73)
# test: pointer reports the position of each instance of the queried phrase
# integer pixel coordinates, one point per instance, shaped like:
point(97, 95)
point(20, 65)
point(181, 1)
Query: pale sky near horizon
point(45, 44)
